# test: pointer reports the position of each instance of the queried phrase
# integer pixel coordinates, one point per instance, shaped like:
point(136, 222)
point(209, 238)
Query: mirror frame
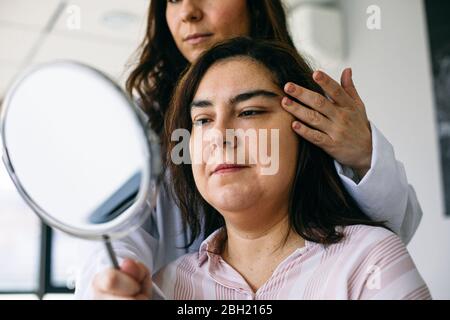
point(151, 175)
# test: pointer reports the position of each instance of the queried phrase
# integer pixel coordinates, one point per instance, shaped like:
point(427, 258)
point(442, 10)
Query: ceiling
point(37, 31)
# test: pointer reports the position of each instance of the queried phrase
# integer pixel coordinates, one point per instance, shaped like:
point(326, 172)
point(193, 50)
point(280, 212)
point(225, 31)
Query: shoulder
point(376, 246)
point(381, 266)
point(367, 236)
point(373, 243)
point(363, 244)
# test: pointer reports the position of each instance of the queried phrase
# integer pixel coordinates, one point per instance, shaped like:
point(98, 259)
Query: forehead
point(229, 77)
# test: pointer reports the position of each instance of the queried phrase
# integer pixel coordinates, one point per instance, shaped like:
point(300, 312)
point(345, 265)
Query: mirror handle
point(111, 253)
point(113, 258)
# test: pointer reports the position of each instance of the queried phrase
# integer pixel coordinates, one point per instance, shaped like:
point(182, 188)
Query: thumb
point(349, 86)
point(134, 269)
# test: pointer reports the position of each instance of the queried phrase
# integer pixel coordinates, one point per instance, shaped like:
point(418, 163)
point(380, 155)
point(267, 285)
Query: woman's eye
point(200, 122)
point(173, 1)
point(249, 113)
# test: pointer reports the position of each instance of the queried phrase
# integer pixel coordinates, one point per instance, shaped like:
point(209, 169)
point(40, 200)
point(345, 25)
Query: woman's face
point(196, 25)
point(241, 94)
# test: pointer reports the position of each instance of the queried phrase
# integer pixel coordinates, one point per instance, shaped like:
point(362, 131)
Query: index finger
point(312, 99)
point(332, 89)
point(134, 269)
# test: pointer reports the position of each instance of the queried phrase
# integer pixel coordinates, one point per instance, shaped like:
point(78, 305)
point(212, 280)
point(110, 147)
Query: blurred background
point(393, 46)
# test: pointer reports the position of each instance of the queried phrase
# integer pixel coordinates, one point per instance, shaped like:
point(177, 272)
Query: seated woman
point(291, 233)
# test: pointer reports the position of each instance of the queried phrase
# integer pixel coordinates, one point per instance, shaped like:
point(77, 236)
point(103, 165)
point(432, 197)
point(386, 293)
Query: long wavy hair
point(160, 62)
point(319, 203)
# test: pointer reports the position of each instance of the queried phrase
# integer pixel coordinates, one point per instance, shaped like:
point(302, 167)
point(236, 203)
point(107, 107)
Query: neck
point(256, 252)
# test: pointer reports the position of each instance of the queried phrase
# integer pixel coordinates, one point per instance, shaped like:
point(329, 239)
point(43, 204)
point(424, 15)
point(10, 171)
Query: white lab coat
point(384, 194)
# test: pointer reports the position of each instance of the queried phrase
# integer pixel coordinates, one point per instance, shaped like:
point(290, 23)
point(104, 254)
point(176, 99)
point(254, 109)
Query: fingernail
point(287, 101)
point(296, 125)
point(351, 72)
point(318, 75)
point(290, 88)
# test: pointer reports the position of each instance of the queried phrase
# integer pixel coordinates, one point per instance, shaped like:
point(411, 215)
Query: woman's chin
point(233, 197)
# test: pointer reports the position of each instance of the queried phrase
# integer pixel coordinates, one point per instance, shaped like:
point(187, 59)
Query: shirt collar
point(211, 245)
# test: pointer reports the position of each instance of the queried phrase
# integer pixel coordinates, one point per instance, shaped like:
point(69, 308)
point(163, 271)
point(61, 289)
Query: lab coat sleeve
point(139, 246)
point(384, 193)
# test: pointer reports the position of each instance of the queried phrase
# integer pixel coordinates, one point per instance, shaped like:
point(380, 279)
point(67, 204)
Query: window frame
point(44, 284)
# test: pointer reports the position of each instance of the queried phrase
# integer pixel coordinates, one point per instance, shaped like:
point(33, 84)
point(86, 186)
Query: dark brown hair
point(319, 202)
point(161, 63)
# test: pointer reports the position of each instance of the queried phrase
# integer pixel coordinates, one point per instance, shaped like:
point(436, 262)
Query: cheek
point(282, 150)
point(280, 174)
point(197, 172)
point(279, 139)
point(289, 154)
point(199, 147)
point(197, 158)
point(232, 18)
point(171, 23)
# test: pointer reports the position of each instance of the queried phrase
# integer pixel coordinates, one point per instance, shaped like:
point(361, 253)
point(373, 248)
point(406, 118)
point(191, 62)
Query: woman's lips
point(197, 38)
point(228, 168)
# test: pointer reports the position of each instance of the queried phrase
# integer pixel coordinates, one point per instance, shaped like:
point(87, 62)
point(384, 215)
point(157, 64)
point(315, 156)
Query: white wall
point(392, 70)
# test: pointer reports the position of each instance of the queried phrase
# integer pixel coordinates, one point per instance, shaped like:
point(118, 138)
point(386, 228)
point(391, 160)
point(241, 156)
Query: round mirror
point(78, 152)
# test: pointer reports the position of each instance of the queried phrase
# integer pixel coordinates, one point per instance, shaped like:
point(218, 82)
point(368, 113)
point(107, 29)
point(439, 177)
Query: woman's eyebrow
point(201, 104)
point(237, 99)
point(252, 94)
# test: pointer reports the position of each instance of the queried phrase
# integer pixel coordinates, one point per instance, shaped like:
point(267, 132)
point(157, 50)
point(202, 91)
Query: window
point(34, 258)
point(64, 261)
point(20, 233)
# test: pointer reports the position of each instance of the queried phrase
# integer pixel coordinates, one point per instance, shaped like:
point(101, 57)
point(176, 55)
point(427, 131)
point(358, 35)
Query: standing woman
point(177, 33)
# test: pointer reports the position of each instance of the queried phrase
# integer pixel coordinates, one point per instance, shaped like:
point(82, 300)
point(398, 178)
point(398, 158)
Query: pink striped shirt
point(369, 263)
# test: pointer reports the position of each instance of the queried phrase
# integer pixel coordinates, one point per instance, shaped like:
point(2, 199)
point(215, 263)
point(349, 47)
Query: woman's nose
point(224, 133)
point(191, 11)
point(221, 141)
